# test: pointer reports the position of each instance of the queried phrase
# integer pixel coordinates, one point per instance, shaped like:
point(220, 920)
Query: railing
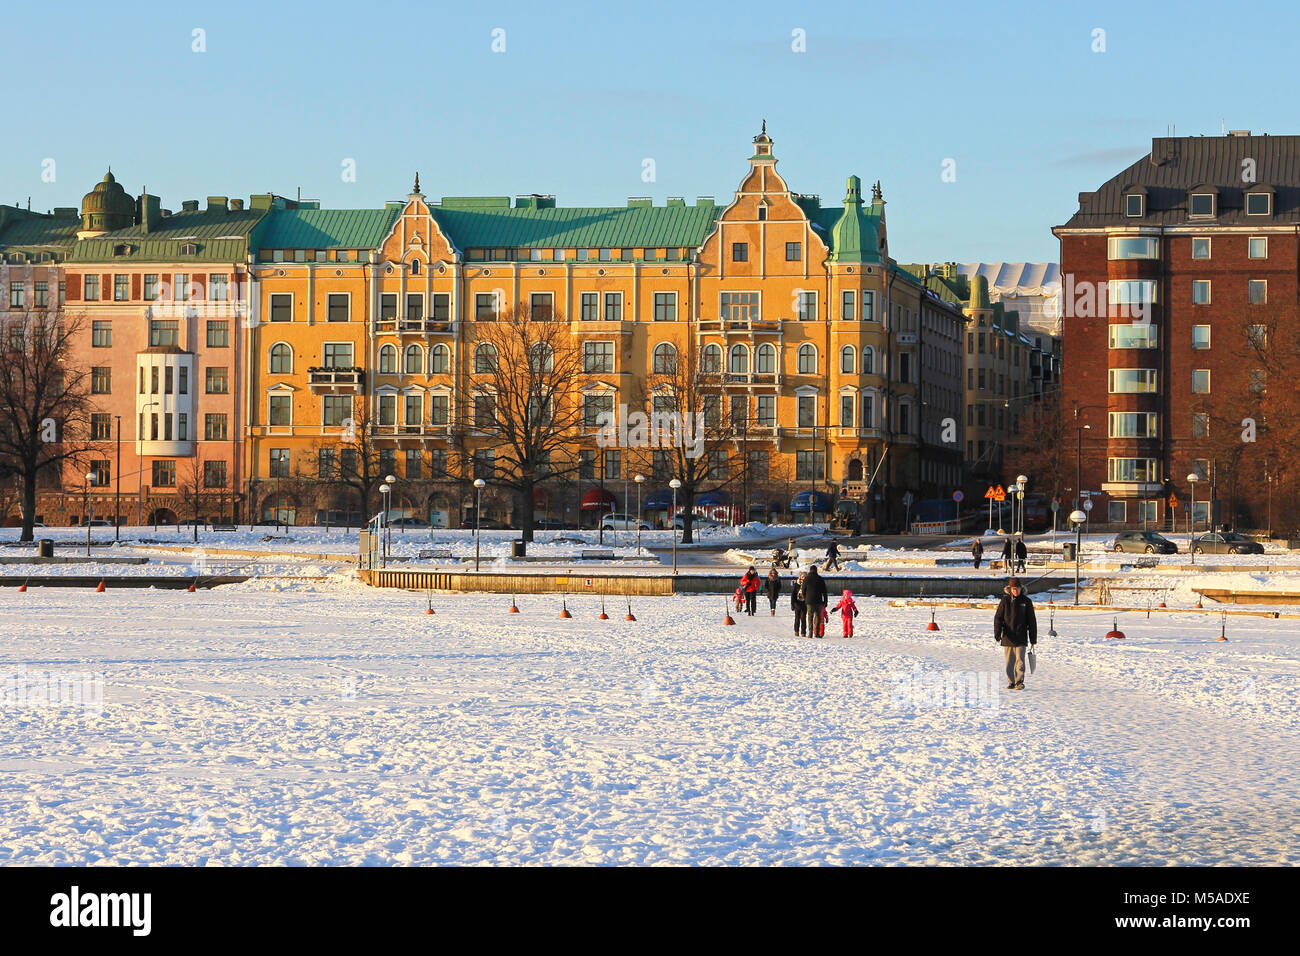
point(336, 377)
point(415, 326)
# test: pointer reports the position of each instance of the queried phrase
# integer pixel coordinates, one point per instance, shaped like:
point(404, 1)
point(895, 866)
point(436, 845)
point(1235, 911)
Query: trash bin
point(518, 548)
point(45, 547)
point(1067, 550)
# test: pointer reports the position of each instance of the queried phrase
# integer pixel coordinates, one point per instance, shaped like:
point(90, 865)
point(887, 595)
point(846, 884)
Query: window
point(441, 307)
point(807, 360)
point(806, 411)
point(613, 306)
point(589, 307)
point(597, 357)
point(485, 307)
point(1129, 247)
point(281, 306)
point(1258, 204)
point(1257, 247)
point(1200, 248)
point(711, 406)
point(868, 360)
point(809, 465)
point(183, 380)
point(278, 463)
point(16, 295)
point(338, 355)
point(664, 360)
point(1200, 381)
point(711, 359)
point(718, 465)
point(762, 212)
point(738, 306)
point(218, 334)
point(388, 360)
point(904, 419)
point(765, 414)
point(325, 464)
point(151, 286)
point(848, 360)
point(1130, 292)
point(1135, 336)
point(847, 404)
point(181, 288)
point(1258, 380)
point(387, 306)
point(1200, 336)
point(214, 474)
point(595, 404)
point(413, 360)
point(281, 359)
point(1116, 511)
point(336, 409)
point(586, 465)
point(121, 288)
point(1200, 425)
point(905, 368)
point(613, 463)
point(1201, 205)
point(414, 307)
point(1133, 205)
point(757, 463)
point(280, 410)
point(101, 334)
point(793, 251)
point(438, 462)
point(413, 408)
point(218, 287)
point(91, 289)
point(485, 410)
point(1133, 425)
point(1131, 380)
point(1257, 291)
point(1257, 336)
point(388, 409)
point(413, 464)
point(847, 302)
point(868, 306)
point(214, 426)
point(740, 252)
point(485, 359)
point(665, 306)
point(806, 304)
point(164, 331)
point(868, 411)
point(164, 473)
point(387, 461)
point(738, 360)
point(765, 359)
point(440, 360)
point(603, 255)
point(217, 381)
point(540, 307)
point(439, 408)
point(1200, 291)
point(101, 380)
point(336, 307)
point(1132, 469)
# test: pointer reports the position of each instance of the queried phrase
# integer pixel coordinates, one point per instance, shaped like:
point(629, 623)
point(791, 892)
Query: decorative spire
point(876, 195)
point(417, 181)
point(765, 126)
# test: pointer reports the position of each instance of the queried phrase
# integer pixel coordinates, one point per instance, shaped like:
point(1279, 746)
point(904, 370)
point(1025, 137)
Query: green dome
point(107, 206)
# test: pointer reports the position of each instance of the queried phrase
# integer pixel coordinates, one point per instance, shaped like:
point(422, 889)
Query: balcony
point(1134, 489)
point(599, 326)
point(412, 431)
point(740, 325)
point(335, 379)
point(415, 326)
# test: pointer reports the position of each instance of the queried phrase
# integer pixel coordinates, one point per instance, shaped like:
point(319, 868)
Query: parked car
point(1226, 542)
point(613, 521)
point(697, 521)
point(409, 522)
point(1143, 542)
point(98, 523)
point(550, 524)
point(487, 524)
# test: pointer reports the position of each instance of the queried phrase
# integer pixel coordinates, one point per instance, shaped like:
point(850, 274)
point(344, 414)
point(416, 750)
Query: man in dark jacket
point(797, 605)
point(1014, 627)
point(1008, 555)
point(1022, 554)
point(814, 596)
point(833, 555)
point(977, 552)
point(773, 588)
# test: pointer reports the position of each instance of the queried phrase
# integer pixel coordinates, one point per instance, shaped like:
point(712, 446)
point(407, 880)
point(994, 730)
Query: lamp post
point(388, 524)
point(479, 484)
point(117, 494)
point(1023, 482)
point(640, 480)
point(384, 489)
point(674, 485)
point(90, 476)
point(1193, 478)
point(1078, 517)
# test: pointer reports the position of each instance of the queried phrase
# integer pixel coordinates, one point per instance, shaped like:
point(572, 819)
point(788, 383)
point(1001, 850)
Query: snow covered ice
point(309, 723)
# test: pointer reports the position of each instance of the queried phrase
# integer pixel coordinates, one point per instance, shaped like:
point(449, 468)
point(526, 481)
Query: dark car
point(550, 524)
point(1143, 542)
point(486, 524)
point(1227, 542)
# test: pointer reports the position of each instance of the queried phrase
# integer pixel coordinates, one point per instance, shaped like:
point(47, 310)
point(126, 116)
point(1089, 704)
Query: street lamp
point(1078, 517)
point(1193, 478)
point(384, 489)
point(640, 480)
point(1023, 482)
point(388, 524)
point(479, 485)
point(674, 485)
point(90, 476)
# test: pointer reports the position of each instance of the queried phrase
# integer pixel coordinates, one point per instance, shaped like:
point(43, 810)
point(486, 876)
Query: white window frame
point(1268, 203)
point(1142, 205)
point(798, 359)
point(852, 354)
point(1208, 335)
point(1249, 247)
point(279, 391)
point(423, 359)
point(379, 359)
point(434, 348)
point(348, 296)
point(1214, 206)
point(1209, 292)
point(274, 346)
point(1209, 248)
point(1206, 390)
point(270, 310)
point(1153, 378)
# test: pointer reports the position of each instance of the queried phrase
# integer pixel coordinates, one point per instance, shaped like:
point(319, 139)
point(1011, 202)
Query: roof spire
point(764, 125)
point(417, 181)
point(876, 194)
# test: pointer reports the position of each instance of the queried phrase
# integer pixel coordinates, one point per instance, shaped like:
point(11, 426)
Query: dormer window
point(1134, 205)
point(1259, 204)
point(415, 267)
point(17, 258)
point(1201, 205)
point(762, 213)
point(121, 249)
point(189, 249)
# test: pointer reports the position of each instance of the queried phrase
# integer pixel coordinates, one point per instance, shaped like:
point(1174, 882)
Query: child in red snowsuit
point(848, 611)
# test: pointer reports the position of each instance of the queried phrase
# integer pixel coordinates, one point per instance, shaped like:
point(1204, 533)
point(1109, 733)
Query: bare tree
point(45, 402)
point(191, 491)
point(521, 394)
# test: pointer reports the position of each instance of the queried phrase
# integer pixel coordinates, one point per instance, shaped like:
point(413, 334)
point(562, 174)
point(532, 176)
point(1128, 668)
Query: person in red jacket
point(848, 611)
point(750, 584)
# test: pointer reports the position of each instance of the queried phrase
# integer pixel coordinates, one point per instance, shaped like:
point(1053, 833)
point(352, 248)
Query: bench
point(593, 555)
point(1038, 560)
point(223, 527)
point(433, 554)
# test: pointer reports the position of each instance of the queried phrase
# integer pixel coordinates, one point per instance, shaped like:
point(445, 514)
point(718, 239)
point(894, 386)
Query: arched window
point(414, 362)
point(807, 360)
point(281, 359)
point(440, 360)
point(738, 360)
point(415, 267)
point(665, 359)
point(485, 359)
point(765, 359)
point(848, 360)
point(868, 360)
point(541, 358)
point(388, 360)
point(711, 359)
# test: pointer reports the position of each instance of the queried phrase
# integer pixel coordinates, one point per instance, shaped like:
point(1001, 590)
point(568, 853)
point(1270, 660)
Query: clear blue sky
point(286, 92)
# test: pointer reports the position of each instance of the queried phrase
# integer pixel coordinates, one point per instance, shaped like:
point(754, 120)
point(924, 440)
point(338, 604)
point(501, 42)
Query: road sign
point(999, 493)
point(957, 496)
point(1087, 505)
point(587, 582)
point(990, 493)
point(1173, 501)
point(1056, 505)
point(908, 498)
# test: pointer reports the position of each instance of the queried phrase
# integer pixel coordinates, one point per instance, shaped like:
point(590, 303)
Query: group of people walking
point(1013, 555)
point(808, 601)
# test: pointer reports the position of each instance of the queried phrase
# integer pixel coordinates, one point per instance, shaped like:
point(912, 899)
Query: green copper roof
point(221, 235)
point(23, 231)
point(577, 227)
point(855, 235)
point(325, 228)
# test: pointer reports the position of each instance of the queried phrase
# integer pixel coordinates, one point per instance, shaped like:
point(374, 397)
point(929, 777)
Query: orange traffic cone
point(564, 608)
point(101, 588)
point(630, 615)
point(728, 619)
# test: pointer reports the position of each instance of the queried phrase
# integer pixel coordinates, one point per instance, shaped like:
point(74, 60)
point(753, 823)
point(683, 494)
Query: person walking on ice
point(1015, 628)
point(798, 606)
point(977, 552)
point(814, 596)
point(833, 555)
point(1008, 555)
point(848, 611)
point(773, 588)
point(750, 584)
point(1022, 554)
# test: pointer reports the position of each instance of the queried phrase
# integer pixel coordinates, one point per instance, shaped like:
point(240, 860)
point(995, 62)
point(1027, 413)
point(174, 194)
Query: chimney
point(1238, 132)
point(190, 205)
point(216, 204)
point(236, 205)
